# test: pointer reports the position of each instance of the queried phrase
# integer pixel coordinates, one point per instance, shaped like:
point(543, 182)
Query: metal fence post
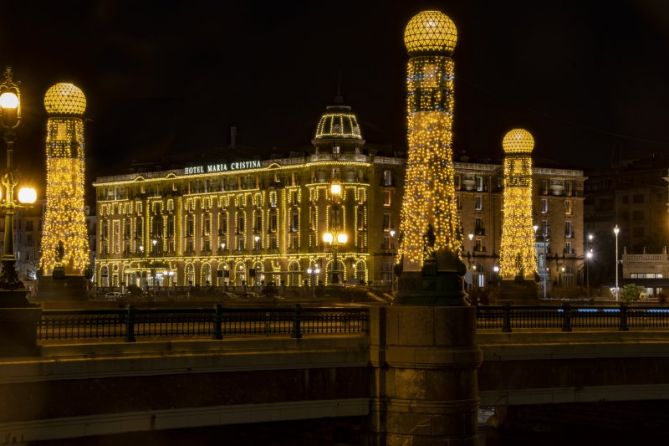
point(130, 323)
point(297, 330)
point(623, 318)
point(218, 319)
point(506, 324)
point(566, 317)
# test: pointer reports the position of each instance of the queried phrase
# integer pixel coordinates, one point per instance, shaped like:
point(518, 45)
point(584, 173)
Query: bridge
point(107, 372)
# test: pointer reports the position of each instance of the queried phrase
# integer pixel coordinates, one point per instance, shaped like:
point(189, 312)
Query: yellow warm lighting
point(429, 203)
point(339, 124)
point(342, 238)
point(328, 237)
point(518, 141)
point(430, 31)
point(9, 100)
point(65, 99)
point(27, 195)
point(335, 189)
point(517, 253)
point(65, 234)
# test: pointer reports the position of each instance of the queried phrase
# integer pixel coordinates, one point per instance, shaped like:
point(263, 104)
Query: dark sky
point(588, 78)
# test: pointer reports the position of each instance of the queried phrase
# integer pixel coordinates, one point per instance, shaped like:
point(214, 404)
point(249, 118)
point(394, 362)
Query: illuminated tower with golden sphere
point(64, 237)
point(429, 218)
point(517, 253)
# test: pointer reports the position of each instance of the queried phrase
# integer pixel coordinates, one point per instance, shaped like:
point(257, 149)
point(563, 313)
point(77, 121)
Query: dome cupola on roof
point(518, 141)
point(338, 122)
point(430, 32)
point(65, 98)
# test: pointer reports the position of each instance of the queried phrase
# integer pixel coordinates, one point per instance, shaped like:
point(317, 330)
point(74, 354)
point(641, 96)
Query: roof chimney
point(233, 137)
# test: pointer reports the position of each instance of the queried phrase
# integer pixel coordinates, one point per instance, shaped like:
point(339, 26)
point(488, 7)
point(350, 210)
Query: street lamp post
point(10, 118)
point(616, 231)
point(334, 239)
point(313, 273)
point(392, 270)
point(588, 256)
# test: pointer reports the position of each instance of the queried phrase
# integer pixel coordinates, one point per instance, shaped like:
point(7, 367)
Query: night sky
point(166, 82)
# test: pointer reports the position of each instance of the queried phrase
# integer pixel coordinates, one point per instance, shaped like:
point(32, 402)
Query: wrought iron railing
point(216, 322)
point(567, 318)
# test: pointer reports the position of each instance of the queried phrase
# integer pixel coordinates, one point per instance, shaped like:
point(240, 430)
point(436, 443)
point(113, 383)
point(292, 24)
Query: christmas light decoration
point(517, 254)
point(65, 238)
point(429, 203)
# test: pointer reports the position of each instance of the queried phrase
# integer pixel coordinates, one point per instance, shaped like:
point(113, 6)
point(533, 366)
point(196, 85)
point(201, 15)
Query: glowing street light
point(10, 118)
point(334, 240)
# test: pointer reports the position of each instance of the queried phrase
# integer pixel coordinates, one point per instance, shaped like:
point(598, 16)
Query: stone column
point(425, 361)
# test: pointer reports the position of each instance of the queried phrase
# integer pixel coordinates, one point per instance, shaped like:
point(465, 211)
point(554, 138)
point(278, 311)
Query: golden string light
point(517, 253)
point(429, 192)
point(65, 236)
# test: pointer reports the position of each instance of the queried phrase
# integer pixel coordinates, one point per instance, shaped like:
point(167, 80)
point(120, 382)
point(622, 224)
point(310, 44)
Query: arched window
point(189, 275)
point(294, 274)
point(206, 275)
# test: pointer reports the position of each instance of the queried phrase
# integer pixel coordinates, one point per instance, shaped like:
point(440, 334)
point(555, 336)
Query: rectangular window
point(478, 203)
point(638, 198)
point(479, 227)
point(637, 215)
point(479, 183)
point(387, 198)
point(386, 222)
point(240, 223)
point(544, 205)
point(295, 220)
point(456, 181)
point(567, 207)
point(223, 223)
point(478, 245)
point(273, 221)
point(567, 248)
point(240, 243)
point(387, 178)
point(294, 241)
point(273, 244)
point(568, 229)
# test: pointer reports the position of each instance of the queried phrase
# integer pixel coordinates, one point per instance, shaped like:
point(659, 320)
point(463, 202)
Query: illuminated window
point(479, 227)
point(568, 229)
point(190, 225)
point(544, 206)
point(387, 178)
point(567, 207)
point(273, 220)
point(387, 224)
point(479, 183)
point(387, 198)
point(295, 220)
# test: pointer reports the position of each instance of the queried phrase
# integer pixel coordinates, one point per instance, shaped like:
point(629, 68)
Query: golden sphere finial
point(518, 141)
point(65, 98)
point(430, 31)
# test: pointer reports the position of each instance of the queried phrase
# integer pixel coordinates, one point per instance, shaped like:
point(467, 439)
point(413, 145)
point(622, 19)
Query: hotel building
point(260, 221)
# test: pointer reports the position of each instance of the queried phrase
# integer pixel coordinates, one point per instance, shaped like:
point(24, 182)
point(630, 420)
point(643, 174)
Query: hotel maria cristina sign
point(222, 167)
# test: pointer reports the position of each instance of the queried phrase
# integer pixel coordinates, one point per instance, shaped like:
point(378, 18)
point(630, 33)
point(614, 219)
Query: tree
point(630, 293)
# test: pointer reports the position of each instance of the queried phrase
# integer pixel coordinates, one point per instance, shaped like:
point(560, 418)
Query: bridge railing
point(566, 317)
point(216, 322)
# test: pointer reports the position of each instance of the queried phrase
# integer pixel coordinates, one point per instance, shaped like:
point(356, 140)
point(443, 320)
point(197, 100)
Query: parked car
point(112, 295)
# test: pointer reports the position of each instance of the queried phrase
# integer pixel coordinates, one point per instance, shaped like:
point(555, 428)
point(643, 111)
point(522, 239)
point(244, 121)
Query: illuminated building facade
point(252, 222)
point(204, 218)
point(429, 196)
point(517, 252)
point(64, 240)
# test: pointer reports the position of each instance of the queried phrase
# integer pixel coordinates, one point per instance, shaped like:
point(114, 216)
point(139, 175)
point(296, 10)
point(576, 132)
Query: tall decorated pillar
point(422, 347)
point(517, 263)
point(65, 254)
